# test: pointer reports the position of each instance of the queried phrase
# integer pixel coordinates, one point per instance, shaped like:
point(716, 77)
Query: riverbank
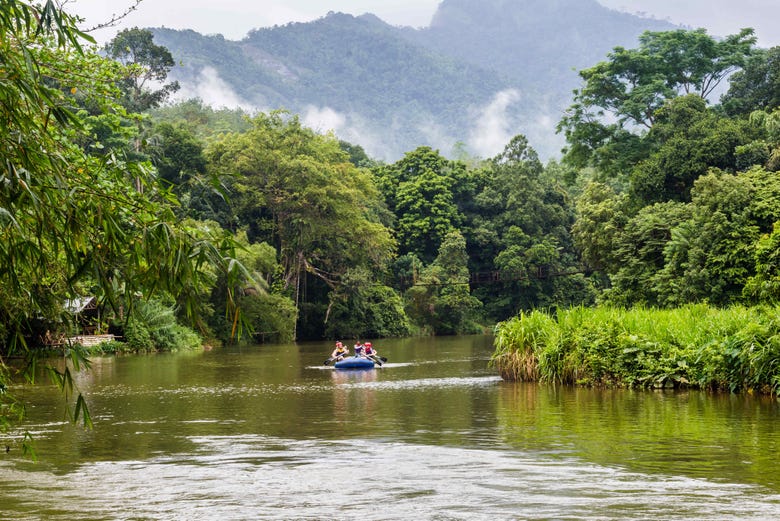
point(697, 346)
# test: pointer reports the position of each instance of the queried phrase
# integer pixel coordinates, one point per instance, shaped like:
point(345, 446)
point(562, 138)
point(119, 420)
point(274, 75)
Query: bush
point(152, 326)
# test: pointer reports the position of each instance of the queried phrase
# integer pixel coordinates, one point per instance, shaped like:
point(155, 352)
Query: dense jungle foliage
point(181, 218)
point(677, 204)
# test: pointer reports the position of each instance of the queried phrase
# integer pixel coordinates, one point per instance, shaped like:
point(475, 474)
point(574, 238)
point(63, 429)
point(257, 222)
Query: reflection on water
point(270, 433)
point(691, 433)
point(341, 377)
point(350, 396)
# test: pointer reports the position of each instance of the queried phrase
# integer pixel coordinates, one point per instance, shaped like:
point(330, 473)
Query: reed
point(734, 349)
point(517, 343)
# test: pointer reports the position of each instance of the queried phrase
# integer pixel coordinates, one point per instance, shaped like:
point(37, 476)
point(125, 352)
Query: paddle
point(378, 359)
point(336, 358)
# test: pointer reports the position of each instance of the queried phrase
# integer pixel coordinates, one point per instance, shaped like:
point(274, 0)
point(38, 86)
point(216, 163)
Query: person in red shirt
point(371, 353)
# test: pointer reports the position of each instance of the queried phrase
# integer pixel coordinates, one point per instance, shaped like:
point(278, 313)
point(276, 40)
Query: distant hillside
point(358, 75)
point(533, 42)
point(484, 71)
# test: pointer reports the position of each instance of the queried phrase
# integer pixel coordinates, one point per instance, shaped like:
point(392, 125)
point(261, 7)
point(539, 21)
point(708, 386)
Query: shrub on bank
point(152, 327)
point(735, 349)
point(108, 348)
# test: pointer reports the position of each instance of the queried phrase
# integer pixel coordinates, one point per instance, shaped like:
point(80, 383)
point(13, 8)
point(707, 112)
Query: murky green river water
point(268, 432)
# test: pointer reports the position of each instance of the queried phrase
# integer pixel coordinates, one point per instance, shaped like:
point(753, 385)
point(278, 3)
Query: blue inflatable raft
point(354, 362)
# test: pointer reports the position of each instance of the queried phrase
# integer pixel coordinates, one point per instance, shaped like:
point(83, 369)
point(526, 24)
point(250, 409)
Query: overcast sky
point(234, 18)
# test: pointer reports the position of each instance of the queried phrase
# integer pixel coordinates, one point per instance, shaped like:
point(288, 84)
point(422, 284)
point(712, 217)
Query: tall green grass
point(734, 349)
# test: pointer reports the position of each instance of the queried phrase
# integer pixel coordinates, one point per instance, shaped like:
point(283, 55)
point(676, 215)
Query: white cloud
point(436, 136)
point(213, 90)
point(349, 127)
point(493, 126)
point(545, 122)
point(359, 132)
point(323, 119)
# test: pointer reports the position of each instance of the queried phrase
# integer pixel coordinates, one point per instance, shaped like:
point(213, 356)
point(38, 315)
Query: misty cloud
point(493, 127)
point(213, 90)
point(323, 119)
point(349, 127)
point(436, 136)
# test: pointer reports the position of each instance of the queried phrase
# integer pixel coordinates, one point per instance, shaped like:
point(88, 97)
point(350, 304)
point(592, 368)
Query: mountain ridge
point(481, 73)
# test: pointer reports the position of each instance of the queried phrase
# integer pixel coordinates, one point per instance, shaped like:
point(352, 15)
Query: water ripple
point(258, 477)
point(426, 383)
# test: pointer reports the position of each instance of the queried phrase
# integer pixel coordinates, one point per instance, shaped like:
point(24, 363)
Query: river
point(269, 432)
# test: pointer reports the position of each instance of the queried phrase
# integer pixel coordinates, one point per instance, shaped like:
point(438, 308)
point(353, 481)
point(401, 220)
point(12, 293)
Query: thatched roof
point(80, 304)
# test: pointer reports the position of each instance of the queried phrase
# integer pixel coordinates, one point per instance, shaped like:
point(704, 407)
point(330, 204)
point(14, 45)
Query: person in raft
point(371, 353)
point(340, 352)
point(359, 350)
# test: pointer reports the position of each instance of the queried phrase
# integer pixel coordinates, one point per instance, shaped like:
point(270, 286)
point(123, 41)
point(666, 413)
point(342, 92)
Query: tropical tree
point(764, 285)
point(710, 255)
point(72, 222)
point(688, 139)
point(521, 229)
point(756, 86)
point(297, 190)
point(270, 314)
point(364, 308)
point(177, 154)
point(715, 248)
point(203, 121)
point(638, 253)
point(147, 64)
point(441, 299)
point(423, 190)
point(621, 96)
point(601, 218)
point(762, 152)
